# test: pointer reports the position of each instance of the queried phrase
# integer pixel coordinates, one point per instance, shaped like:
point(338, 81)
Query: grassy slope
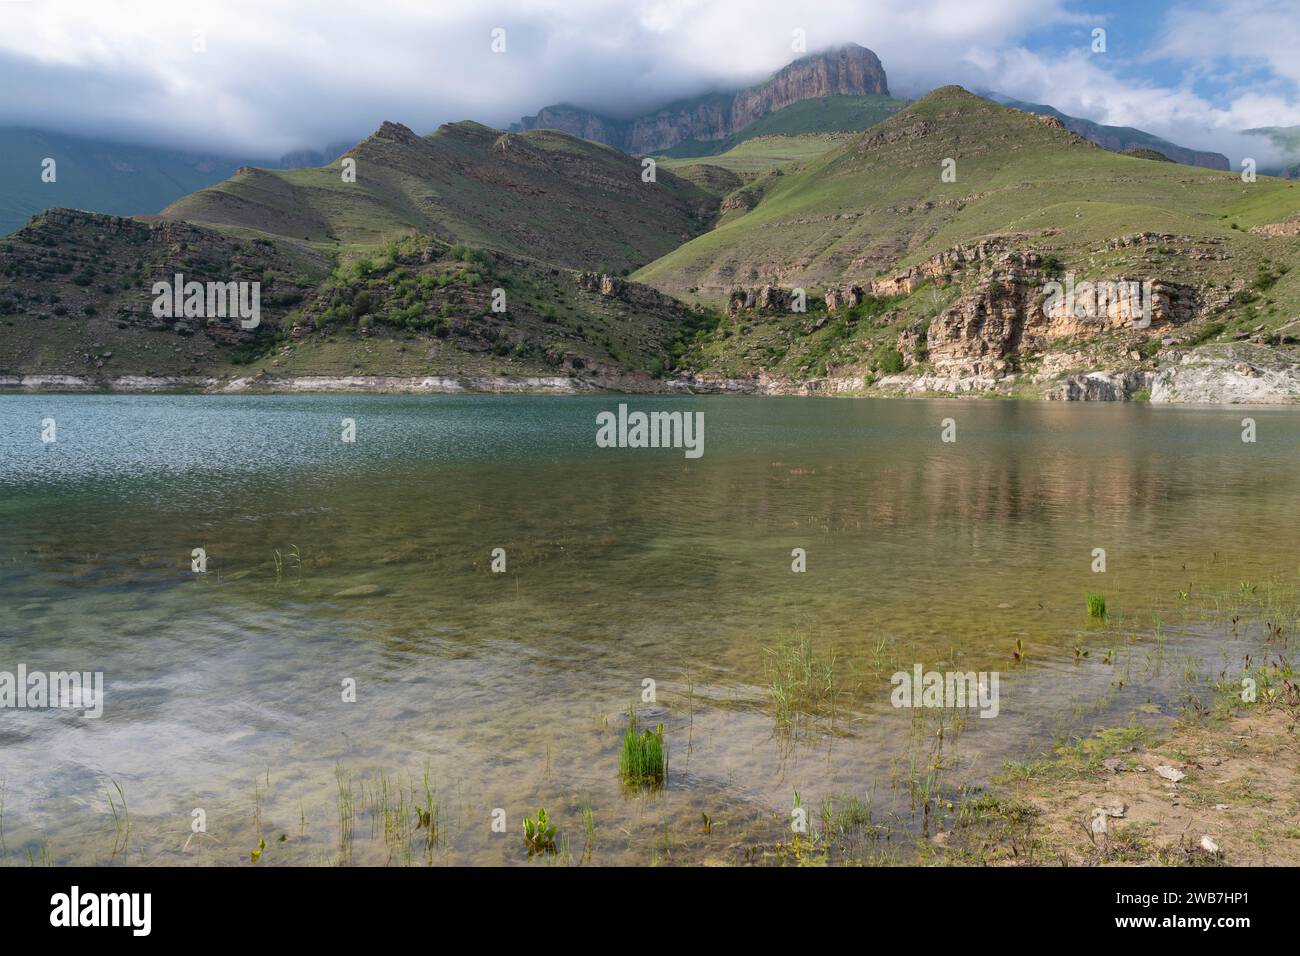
point(878, 201)
point(756, 156)
point(827, 114)
point(541, 194)
point(1119, 138)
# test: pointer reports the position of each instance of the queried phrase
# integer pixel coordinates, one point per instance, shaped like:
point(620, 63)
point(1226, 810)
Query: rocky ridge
point(850, 70)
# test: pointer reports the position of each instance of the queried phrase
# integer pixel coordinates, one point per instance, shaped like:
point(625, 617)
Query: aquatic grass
point(1096, 605)
point(347, 815)
point(589, 826)
point(284, 561)
point(427, 816)
point(392, 808)
point(121, 819)
point(800, 681)
point(644, 757)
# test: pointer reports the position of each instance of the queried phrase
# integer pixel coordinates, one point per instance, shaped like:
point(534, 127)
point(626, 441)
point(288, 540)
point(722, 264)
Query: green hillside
point(540, 193)
point(827, 114)
point(878, 202)
point(756, 156)
point(75, 299)
point(1122, 139)
point(395, 274)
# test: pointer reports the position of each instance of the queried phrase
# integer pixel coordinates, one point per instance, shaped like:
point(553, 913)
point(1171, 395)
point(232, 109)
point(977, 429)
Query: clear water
point(224, 689)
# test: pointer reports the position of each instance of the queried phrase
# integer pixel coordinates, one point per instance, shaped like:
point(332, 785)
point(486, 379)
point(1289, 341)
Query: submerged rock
point(361, 590)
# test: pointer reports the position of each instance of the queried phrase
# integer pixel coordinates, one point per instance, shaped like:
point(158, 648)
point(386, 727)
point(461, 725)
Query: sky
point(258, 78)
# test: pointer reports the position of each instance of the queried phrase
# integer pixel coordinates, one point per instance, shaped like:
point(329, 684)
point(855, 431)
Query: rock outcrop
point(850, 70)
point(1228, 375)
point(1102, 386)
point(634, 293)
point(768, 299)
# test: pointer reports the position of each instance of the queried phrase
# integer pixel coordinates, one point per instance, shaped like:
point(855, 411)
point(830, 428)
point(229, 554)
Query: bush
point(889, 360)
point(360, 305)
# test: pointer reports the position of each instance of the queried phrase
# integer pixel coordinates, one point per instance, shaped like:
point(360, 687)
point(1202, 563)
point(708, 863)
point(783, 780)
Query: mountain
point(821, 116)
point(541, 194)
point(850, 70)
point(397, 273)
point(878, 199)
point(906, 271)
point(76, 301)
point(818, 262)
point(1286, 139)
point(93, 174)
point(1119, 139)
point(119, 178)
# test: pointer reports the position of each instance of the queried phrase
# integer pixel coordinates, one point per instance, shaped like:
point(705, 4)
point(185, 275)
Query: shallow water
point(223, 689)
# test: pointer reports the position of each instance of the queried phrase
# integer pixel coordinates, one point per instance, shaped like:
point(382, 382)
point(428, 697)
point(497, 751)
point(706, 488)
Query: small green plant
point(121, 819)
point(644, 759)
point(1096, 605)
point(539, 834)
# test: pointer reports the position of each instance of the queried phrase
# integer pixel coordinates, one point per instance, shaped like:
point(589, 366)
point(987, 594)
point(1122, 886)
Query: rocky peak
point(394, 133)
point(849, 70)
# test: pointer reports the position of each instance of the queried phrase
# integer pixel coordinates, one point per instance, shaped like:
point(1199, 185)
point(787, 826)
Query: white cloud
point(294, 73)
point(1264, 32)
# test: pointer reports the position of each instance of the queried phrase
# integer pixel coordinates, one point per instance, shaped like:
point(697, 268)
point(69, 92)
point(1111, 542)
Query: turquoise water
point(508, 690)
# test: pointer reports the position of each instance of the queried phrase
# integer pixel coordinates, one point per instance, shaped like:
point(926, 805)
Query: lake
point(364, 570)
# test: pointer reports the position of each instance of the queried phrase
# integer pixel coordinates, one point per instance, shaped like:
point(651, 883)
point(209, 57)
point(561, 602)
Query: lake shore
point(1215, 791)
point(1198, 385)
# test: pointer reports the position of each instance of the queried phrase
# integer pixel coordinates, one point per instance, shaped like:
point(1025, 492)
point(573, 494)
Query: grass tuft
point(644, 759)
point(1096, 605)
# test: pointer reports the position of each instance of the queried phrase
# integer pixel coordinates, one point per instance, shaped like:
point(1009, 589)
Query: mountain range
point(843, 242)
point(1120, 139)
point(849, 70)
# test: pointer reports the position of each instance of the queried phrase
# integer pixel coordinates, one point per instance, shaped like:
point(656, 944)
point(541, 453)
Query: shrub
point(889, 360)
point(360, 305)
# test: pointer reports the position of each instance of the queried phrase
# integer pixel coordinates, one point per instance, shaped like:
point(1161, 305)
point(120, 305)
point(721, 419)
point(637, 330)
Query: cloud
point(277, 76)
point(272, 77)
point(1261, 32)
point(1077, 84)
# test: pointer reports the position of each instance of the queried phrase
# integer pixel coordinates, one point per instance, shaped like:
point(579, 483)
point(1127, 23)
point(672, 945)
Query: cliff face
point(849, 70)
